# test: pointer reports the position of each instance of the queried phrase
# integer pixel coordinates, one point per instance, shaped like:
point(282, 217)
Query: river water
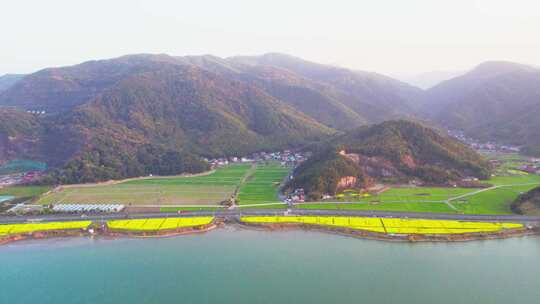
point(243, 266)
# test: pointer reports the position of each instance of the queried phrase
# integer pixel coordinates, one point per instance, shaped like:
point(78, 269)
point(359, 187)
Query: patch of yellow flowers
point(11, 229)
point(159, 224)
point(389, 225)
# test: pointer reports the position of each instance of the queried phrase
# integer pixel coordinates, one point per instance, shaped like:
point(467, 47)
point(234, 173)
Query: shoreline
point(356, 233)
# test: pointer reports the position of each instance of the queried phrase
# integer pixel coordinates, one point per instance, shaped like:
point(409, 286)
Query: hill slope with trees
point(160, 120)
point(528, 203)
point(394, 151)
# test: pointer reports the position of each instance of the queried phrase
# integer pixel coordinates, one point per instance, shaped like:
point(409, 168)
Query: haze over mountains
point(497, 101)
point(96, 114)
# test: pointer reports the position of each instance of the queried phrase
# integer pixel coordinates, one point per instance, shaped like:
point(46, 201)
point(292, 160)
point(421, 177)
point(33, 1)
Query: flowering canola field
point(159, 224)
point(389, 225)
point(11, 229)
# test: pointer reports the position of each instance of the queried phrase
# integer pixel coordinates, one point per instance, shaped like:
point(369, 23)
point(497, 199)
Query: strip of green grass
point(176, 209)
point(396, 207)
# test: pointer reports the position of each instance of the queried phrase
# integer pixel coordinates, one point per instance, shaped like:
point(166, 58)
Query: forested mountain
point(162, 111)
point(528, 203)
point(371, 95)
point(99, 115)
point(62, 89)
point(496, 101)
point(393, 151)
point(9, 80)
point(336, 97)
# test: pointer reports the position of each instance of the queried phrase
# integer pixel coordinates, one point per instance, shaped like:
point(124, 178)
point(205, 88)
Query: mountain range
point(496, 101)
point(94, 117)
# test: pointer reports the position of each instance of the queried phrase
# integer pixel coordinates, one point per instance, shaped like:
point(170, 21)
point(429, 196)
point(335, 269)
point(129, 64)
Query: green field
point(424, 199)
point(208, 189)
point(262, 186)
point(24, 191)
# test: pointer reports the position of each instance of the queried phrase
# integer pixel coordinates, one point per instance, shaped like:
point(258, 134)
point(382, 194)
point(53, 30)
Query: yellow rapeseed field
point(388, 225)
point(12, 229)
point(159, 224)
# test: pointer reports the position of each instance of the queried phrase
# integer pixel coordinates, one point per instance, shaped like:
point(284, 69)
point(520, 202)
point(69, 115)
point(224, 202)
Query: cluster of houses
point(223, 161)
point(286, 158)
point(19, 178)
point(487, 147)
point(532, 167)
point(297, 196)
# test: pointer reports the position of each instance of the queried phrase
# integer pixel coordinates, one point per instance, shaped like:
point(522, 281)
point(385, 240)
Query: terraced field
point(158, 224)
point(263, 185)
point(197, 190)
point(389, 226)
point(12, 229)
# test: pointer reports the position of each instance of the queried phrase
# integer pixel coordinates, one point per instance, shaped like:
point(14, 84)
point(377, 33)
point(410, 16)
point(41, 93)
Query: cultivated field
point(494, 200)
point(158, 224)
point(263, 185)
point(389, 226)
point(27, 228)
point(197, 190)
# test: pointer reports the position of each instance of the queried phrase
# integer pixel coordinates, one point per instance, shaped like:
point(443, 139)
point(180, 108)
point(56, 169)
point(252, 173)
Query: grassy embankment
point(388, 226)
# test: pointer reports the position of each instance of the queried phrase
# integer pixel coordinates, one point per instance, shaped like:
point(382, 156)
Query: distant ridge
point(496, 101)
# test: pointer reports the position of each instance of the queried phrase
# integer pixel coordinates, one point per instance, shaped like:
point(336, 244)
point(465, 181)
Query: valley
point(160, 134)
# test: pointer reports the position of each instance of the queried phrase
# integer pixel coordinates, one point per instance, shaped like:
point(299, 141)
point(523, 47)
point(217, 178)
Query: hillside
point(19, 134)
point(528, 203)
point(161, 120)
point(371, 95)
point(336, 97)
point(495, 101)
point(393, 151)
point(9, 80)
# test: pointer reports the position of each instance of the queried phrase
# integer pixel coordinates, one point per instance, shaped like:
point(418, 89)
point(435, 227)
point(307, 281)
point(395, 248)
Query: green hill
point(393, 151)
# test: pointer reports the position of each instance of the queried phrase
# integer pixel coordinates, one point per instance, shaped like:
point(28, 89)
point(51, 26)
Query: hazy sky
point(393, 37)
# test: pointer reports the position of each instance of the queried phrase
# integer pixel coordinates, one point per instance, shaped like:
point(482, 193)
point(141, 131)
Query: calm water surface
point(241, 266)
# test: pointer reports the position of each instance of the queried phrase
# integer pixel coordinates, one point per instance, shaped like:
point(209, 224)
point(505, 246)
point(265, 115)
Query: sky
point(400, 37)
